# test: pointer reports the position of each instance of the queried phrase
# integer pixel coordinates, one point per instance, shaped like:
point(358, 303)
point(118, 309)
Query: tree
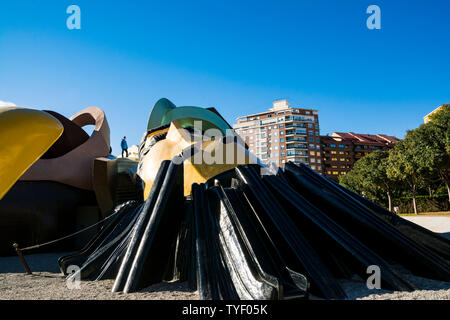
point(406, 163)
point(435, 145)
point(352, 181)
point(369, 176)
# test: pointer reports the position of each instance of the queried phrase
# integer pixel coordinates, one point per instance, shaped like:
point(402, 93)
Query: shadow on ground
point(43, 262)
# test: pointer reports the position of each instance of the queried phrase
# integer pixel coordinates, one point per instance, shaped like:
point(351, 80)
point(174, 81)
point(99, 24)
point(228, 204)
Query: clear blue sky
point(237, 56)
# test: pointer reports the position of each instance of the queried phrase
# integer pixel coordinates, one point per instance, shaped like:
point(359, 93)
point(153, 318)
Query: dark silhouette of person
point(124, 146)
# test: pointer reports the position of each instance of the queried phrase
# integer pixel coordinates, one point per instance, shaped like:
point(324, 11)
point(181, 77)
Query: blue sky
point(237, 56)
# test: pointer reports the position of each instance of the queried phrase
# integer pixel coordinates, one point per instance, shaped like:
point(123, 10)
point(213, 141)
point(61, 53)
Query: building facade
point(283, 134)
point(341, 150)
point(426, 119)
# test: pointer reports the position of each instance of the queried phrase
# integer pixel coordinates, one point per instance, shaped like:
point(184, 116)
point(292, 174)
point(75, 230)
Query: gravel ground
point(47, 283)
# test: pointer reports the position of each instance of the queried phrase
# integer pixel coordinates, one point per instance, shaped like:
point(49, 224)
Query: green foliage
point(406, 162)
point(419, 161)
point(436, 144)
point(369, 177)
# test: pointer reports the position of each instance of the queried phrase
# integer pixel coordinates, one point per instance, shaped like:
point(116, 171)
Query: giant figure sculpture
point(198, 207)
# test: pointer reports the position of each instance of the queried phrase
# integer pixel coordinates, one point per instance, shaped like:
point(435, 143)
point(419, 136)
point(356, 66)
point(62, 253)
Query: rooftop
point(367, 138)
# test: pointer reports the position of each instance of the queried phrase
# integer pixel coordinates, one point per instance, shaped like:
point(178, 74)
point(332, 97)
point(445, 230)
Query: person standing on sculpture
point(124, 146)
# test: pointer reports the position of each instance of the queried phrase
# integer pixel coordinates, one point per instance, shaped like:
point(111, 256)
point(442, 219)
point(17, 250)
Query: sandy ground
point(47, 283)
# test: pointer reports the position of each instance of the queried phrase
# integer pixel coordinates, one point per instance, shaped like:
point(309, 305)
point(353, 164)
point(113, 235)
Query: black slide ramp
point(295, 248)
point(433, 241)
point(186, 261)
point(78, 258)
point(139, 228)
point(250, 281)
point(422, 241)
point(111, 265)
point(263, 258)
point(369, 228)
point(206, 284)
point(213, 278)
point(267, 257)
point(92, 267)
point(324, 230)
point(159, 237)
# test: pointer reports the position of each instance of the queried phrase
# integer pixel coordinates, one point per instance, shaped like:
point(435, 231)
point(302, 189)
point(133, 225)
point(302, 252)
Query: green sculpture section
point(164, 112)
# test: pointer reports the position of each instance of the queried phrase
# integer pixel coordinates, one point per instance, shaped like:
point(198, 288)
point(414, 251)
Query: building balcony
point(295, 125)
point(295, 139)
point(302, 147)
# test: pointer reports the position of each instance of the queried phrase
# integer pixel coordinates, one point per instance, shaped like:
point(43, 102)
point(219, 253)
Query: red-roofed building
point(342, 149)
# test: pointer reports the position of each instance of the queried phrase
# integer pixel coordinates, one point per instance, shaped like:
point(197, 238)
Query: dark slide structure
point(249, 233)
point(199, 208)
